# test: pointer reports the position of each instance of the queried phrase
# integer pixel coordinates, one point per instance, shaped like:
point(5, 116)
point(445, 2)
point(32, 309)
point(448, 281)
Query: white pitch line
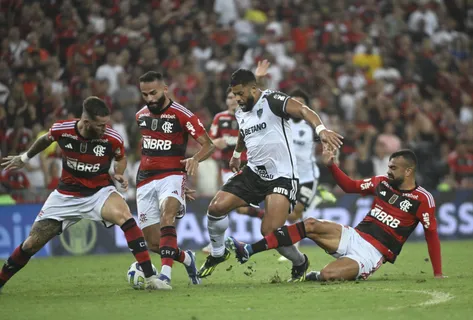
point(436, 297)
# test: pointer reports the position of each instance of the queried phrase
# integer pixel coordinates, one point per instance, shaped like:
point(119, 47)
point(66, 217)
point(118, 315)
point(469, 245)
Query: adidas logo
point(143, 123)
point(69, 146)
point(175, 192)
point(383, 193)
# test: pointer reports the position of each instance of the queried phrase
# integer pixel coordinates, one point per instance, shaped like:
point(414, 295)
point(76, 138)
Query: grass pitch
point(94, 287)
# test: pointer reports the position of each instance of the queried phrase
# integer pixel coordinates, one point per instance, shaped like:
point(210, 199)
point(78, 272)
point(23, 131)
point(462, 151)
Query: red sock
point(136, 243)
point(15, 262)
point(168, 246)
point(180, 256)
point(284, 236)
point(255, 212)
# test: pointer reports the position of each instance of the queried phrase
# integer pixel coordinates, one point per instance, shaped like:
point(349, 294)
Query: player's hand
point(328, 155)
point(262, 68)
point(12, 163)
point(440, 276)
point(331, 138)
point(190, 194)
point(121, 179)
point(235, 164)
point(191, 165)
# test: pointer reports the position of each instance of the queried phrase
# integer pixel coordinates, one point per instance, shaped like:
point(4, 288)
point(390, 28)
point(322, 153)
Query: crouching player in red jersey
point(165, 126)
point(399, 205)
point(86, 189)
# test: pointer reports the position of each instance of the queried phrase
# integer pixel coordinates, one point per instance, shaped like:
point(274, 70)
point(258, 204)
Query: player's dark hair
point(151, 76)
point(243, 77)
point(229, 89)
point(408, 155)
point(95, 107)
point(302, 94)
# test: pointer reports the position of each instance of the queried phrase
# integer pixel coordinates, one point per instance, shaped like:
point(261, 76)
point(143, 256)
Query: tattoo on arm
point(39, 145)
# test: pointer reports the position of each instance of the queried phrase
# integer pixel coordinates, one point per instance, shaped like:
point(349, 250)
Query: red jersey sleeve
point(426, 216)
point(364, 187)
point(193, 125)
point(56, 130)
point(214, 128)
point(119, 150)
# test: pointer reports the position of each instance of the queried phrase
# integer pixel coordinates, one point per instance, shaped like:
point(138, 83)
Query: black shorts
point(306, 193)
point(248, 186)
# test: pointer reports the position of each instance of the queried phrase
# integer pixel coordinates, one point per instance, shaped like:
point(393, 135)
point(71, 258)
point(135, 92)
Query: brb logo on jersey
point(74, 164)
point(385, 218)
point(156, 144)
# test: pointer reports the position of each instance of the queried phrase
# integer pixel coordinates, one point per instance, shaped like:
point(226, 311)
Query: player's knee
point(267, 229)
point(121, 216)
point(329, 274)
point(216, 209)
point(311, 225)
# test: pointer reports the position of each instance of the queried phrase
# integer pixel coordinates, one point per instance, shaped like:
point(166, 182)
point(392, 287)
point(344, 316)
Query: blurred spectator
point(110, 71)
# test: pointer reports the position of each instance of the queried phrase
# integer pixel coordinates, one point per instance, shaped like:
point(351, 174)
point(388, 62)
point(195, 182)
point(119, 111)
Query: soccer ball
point(136, 277)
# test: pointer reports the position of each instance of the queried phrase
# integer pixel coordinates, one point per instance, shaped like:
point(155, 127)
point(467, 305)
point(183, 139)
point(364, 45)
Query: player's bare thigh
point(341, 269)
point(277, 208)
point(41, 233)
point(325, 233)
point(115, 210)
point(224, 202)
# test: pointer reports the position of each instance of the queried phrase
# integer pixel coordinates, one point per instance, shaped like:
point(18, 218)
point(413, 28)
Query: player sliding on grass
point(399, 205)
point(86, 189)
point(271, 172)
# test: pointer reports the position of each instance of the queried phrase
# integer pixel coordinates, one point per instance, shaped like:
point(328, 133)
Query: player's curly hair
point(243, 77)
point(95, 107)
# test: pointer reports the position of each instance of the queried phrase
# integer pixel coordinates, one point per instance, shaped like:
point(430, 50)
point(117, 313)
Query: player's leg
point(116, 211)
point(278, 206)
point(217, 223)
point(294, 216)
point(41, 233)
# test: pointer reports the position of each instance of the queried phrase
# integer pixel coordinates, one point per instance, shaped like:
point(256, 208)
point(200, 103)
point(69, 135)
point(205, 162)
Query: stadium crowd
point(385, 74)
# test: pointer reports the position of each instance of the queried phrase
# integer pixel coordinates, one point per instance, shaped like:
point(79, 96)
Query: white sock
point(166, 270)
point(187, 259)
point(293, 254)
point(217, 227)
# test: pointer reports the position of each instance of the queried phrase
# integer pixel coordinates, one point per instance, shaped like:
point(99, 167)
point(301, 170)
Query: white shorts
point(353, 246)
point(226, 175)
point(71, 209)
point(150, 197)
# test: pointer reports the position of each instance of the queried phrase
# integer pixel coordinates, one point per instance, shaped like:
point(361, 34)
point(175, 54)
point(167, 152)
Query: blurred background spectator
point(386, 74)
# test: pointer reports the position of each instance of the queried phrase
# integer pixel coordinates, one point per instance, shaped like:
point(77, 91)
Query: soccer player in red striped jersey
point(165, 127)
point(86, 189)
point(399, 205)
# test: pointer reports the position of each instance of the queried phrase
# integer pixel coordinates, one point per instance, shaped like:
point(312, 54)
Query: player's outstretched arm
point(298, 110)
point(17, 162)
point(345, 182)
point(119, 171)
point(261, 72)
point(426, 216)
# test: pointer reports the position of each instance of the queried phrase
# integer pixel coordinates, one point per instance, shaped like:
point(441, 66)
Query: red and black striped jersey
point(394, 215)
point(225, 125)
point(85, 162)
point(164, 140)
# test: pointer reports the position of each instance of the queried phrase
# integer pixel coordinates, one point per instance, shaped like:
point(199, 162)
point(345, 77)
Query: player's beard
point(93, 134)
point(156, 107)
point(395, 182)
point(250, 103)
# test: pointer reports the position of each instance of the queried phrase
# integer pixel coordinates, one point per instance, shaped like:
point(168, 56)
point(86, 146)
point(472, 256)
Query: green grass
point(94, 287)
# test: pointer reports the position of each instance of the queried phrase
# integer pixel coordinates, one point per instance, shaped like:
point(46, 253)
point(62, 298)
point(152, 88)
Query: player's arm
point(235, 161)
point(295, 109)
point(426, 215)
point(196, 129)
point(120, 165)
point(17, 162)
point(364, 187)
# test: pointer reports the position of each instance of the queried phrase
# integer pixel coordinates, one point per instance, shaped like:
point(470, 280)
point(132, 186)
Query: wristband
point(236, 154)
point(24, 158)
point(319, 129)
